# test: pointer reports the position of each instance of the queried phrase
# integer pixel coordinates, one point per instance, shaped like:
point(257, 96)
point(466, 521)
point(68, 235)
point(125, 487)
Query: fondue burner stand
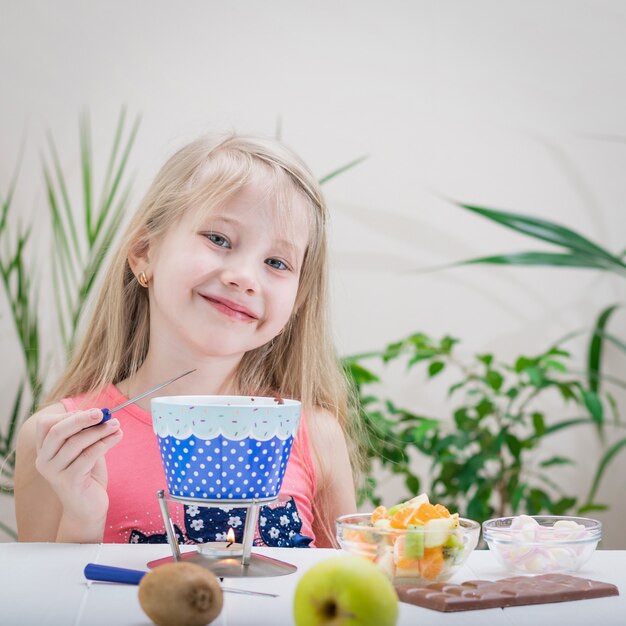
point(243, 564)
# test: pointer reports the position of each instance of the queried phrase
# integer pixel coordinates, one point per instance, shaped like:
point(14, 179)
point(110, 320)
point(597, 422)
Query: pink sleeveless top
point(135, 474)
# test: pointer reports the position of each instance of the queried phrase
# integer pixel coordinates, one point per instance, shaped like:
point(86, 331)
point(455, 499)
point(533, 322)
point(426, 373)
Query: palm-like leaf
point(609, 455)
point(341, 170)
point(22, 300)
point(544, 230)
point(579, 251)
point(596, 345)
point(79, 249)
point(543, 259)
point(78, 260)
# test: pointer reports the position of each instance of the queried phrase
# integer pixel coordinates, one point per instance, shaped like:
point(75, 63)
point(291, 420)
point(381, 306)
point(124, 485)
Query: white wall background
point(513, 105)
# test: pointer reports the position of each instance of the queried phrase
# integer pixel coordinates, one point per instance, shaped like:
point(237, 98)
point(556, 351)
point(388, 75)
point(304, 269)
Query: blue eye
point(218, 240)
point(277, 264)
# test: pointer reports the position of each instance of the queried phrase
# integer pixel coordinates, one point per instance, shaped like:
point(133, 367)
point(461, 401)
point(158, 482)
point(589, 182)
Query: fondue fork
point(106, 413)
point(111, 574)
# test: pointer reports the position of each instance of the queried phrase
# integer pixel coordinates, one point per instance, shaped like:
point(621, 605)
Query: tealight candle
point(222, 549)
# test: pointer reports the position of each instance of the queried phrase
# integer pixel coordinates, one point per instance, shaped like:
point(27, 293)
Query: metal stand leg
point(169, 528)
point(248, 532)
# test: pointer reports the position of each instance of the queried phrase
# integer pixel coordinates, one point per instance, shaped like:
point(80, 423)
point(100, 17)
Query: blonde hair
point(300, 362)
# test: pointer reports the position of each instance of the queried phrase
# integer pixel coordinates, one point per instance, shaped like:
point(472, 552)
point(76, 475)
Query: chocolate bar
point(515, 591)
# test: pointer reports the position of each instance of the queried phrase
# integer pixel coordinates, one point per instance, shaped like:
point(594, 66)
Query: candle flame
point(230, 536)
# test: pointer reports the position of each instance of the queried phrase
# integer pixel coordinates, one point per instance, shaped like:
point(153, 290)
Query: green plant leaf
point(342, 169)
point(487, 359)
point(478, 507)
point(546, 259)
point(61, 238)
point(412, 484)
point(556, 460)
point(86, 168)
point(423, 355)
point(360, 374)
point(419, 432)
point(556, 351)
point(69, 213)
point(613, 406)
point(566, 391)
point(435, 368)
point(522, 363)
point(547, 231)
point(518, 494)
point(14, 420)
point(535, 375)
point(7, 201)
point(594, 352)
point(552, 364)
point(603, 465)
point(594, 405)
point(494, 380)
point(539, 424)
point(8, 531)
point(538, 501)
point(113, 186)
point(448, 343)
point(588, 508)
point(457, 386)
point(563, 506)
point(513, 445)
point(577, 421)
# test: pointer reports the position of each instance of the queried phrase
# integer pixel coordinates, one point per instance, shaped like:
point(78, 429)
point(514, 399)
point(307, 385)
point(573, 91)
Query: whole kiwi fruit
point(181, 594)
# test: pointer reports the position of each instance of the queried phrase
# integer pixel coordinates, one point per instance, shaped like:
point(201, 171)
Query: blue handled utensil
point(111, 574)
point(106, 413)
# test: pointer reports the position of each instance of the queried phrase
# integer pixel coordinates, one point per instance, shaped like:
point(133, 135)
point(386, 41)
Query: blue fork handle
point(106, 416)
point(110, 574)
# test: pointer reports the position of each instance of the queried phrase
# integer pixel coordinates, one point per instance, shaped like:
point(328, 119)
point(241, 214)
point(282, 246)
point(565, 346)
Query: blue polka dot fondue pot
point(225, 447)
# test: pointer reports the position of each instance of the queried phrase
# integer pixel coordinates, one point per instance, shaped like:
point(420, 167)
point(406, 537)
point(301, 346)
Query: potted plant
point(81, 239)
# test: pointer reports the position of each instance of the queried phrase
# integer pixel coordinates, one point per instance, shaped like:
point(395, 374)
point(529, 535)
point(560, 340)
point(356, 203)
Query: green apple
point(345, 591)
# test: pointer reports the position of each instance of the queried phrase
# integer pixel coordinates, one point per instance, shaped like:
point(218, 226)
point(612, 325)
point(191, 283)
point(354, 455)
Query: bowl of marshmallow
point(542, 544)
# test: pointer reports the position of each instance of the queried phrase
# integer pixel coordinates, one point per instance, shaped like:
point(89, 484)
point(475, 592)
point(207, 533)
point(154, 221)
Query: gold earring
point(142, 279)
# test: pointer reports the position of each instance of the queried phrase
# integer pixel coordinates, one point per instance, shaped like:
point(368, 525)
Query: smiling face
point(225, 282)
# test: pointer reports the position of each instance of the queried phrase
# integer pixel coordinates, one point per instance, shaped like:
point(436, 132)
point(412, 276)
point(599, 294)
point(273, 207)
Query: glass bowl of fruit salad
point(414, 542)
point(542, 544)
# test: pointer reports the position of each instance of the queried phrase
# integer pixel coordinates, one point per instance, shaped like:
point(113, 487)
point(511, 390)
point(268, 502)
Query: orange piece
point(402, 518)
point(380, 512)
point(431, 564)
point(443, 512)
point(407, 567)
point(355, 536)
point(427, 512)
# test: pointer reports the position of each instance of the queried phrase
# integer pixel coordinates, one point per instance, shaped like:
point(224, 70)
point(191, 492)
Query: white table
point(43, 585)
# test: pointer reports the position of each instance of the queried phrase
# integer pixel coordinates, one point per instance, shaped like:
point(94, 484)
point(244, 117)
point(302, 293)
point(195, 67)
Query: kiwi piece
point(454, 541)
point(414, 542)
point(181, 594)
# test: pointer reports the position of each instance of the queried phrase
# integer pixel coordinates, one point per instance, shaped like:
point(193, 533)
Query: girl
point(222, 270)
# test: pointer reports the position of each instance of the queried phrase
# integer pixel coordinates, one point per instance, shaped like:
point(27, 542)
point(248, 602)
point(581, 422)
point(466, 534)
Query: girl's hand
point(70, 456)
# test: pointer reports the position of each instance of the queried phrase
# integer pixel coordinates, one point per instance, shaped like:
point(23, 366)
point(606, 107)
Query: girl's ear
point(138, 256)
